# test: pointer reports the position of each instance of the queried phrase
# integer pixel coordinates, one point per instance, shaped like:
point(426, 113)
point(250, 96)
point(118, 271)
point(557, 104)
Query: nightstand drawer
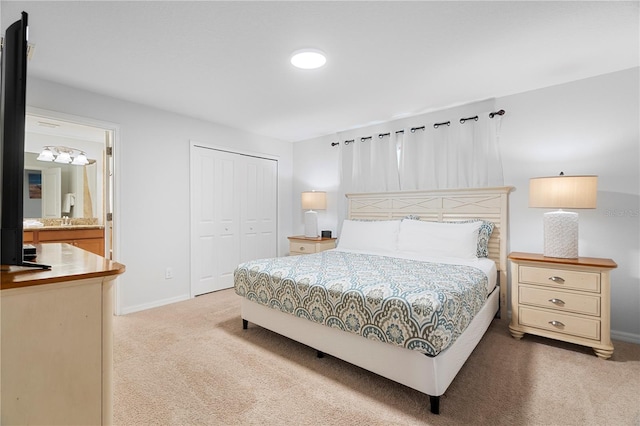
point(553, 299)
point(561, 278)
point(303, 245)
point(560, 323)
point(298, 247)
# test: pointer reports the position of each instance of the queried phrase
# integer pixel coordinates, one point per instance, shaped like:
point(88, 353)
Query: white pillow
point(459, 240)
point(369, 235)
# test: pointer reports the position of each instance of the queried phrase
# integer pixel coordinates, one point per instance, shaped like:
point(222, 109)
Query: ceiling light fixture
point(308, 59)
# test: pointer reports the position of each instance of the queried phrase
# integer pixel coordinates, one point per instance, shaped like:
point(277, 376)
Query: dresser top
point(68, 263)
point(580, 261)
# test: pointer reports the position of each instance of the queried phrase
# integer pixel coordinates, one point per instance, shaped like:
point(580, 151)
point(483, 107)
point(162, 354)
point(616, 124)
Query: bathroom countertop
point(62, 227)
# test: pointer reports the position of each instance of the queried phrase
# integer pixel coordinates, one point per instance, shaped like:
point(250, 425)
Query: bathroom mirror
point(54, 190)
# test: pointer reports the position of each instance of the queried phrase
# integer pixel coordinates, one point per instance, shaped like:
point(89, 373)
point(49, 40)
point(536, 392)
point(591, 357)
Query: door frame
point(196, 144)
point(114, 128)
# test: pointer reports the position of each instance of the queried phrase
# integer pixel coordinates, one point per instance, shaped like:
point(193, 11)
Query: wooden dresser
point(563, 299)
point(304, 245)
point(57, 339)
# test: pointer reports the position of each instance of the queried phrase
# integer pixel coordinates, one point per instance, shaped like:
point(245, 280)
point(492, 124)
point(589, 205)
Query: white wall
point(153, 172)
point(589, 126)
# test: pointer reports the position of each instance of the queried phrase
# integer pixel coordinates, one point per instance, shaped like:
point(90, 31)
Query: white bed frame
point(430, 375)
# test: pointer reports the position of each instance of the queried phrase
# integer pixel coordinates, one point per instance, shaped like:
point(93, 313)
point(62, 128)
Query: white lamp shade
point(63, 158)
point(80, 160)
point(46, 155)
point(314, 200)
point(563, 192)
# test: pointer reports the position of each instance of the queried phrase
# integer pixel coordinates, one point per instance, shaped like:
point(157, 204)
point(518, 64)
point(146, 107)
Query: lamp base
point(561, 234)
point(310, 224)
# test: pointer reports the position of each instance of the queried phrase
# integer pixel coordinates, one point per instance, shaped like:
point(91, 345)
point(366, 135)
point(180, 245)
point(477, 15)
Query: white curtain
point(452, 156)
point(370, 165)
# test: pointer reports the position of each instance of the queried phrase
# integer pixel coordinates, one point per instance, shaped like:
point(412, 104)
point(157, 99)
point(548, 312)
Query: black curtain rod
point(444, 123)
point(413, 129)
point(463, 120)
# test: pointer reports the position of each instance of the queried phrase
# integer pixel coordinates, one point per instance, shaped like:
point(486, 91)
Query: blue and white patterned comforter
point(414, 304)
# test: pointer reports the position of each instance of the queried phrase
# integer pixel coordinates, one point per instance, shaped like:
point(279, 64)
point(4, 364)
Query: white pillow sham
point(369, 235)
point(459, 240)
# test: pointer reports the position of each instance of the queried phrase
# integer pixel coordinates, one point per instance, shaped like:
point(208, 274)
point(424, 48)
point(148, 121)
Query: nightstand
point(304, 245)
point(563, 299)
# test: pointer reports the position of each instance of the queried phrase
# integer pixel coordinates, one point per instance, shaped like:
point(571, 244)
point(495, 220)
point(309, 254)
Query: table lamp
point(562, 192)
point(312, 200)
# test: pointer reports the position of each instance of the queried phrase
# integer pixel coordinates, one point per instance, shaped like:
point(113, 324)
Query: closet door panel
point(268, 196)
point(227, 184)
point(203, 222)
point(259, 210)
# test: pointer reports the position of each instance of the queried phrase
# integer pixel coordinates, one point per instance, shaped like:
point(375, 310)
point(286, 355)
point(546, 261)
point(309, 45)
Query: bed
point(409, 342)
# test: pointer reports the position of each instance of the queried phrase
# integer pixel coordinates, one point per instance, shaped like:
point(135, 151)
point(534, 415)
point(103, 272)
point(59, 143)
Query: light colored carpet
point(190, 363)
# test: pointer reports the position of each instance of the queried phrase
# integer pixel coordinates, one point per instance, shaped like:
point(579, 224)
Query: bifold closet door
point(233, 215)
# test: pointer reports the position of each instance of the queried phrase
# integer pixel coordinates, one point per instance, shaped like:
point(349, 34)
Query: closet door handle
point(558, 280)
point(556, 323)
point(558, 302)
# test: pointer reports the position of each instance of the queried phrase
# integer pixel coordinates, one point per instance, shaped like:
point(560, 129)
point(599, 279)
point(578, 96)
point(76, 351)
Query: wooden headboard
point(445, 205)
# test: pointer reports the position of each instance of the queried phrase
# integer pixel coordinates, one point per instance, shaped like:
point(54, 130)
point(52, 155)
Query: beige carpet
point(190, 363)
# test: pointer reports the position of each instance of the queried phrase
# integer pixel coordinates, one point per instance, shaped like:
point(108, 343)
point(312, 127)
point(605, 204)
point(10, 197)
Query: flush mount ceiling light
point(308, 59)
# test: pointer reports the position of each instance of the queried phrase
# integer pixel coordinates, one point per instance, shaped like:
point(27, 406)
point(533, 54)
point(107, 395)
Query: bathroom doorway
point(88, 193)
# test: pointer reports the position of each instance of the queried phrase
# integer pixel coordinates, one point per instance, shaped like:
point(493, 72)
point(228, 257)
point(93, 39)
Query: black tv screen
point(13, 90)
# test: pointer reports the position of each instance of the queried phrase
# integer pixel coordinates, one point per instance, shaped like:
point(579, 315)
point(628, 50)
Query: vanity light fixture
point(308, 59)
point(64, 155)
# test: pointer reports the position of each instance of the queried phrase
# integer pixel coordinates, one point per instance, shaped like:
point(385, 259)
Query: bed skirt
point(429, 375)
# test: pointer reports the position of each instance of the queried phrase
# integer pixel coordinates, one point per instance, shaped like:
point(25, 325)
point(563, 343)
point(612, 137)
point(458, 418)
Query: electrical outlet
point(168, 273)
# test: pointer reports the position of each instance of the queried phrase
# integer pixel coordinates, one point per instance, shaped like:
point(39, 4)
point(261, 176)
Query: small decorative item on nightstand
point(304, 245)
point(563, 299)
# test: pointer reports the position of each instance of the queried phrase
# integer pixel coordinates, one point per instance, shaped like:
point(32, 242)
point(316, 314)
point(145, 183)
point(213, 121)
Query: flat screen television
point(13, 98)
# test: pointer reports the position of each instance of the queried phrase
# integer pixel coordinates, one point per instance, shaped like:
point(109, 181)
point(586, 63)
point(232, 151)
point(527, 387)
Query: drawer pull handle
point(556, 323)
point(301, 248)
point(555, 279)
point(557, 301)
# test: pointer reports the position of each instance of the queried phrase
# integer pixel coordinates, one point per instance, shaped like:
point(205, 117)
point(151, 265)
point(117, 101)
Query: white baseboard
point(625, 337)
point(157, 303)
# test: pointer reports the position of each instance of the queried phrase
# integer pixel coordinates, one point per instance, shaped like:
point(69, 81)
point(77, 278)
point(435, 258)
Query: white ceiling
point(228, 62)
